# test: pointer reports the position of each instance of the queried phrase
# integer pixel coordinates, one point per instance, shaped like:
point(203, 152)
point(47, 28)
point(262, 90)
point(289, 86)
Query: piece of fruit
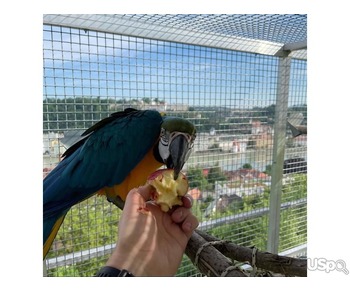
point(168, 191)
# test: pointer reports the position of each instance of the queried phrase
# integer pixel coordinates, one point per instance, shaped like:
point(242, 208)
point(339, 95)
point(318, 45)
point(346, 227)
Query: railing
point(84, 255)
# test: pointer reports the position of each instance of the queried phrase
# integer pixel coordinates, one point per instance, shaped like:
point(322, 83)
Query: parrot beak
point(179, 151)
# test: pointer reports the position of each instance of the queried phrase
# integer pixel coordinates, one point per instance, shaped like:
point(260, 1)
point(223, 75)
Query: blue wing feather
point(104, 158)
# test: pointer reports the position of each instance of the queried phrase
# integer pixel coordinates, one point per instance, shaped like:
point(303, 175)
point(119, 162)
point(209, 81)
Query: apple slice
point(168, 191)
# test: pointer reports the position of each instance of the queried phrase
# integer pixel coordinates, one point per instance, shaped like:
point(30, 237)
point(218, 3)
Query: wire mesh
point(229, 95)
point(279, 28)
point(255, 33)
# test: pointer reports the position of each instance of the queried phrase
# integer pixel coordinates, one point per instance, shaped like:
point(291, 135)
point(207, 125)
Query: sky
point(86, 63)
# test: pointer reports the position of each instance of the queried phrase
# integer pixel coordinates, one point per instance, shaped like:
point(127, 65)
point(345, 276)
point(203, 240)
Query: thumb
point(141, 194)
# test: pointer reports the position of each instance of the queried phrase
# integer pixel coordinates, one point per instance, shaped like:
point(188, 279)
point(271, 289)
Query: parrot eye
point(164, 139)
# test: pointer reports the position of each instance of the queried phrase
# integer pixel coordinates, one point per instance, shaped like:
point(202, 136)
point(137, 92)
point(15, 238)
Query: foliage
point(84, 227)
point(196, 178)
point(247, 166)
point(254, 231)
point(215, 174)
point(82, 269)
point(245, 233)
point(295, 187)
point(237, 206)
point(61, 114)
point(197, 209)
point(205, 203)
point(268, 169)
point(73, 113)
point(93, 223)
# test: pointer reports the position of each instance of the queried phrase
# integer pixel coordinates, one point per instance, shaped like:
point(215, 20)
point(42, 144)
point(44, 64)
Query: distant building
point(221, 203)
point(300, 141)
point(203, 142)
point(160, 106)
point(264, 140)
point(259, 128)
point(51, 143)
point(239, 145)
point(240, 191)
point(195, 194)
point(177, 107)
point(295, 165)
point(245, 175)
point(262, 135)
point(224, 201)
point(157, 107)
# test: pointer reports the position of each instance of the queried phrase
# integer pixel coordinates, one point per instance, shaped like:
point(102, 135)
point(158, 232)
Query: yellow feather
point(137, 177)
point(52, 235)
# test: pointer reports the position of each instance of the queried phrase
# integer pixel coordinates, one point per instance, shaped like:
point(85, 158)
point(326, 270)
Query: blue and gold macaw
point(114, 156)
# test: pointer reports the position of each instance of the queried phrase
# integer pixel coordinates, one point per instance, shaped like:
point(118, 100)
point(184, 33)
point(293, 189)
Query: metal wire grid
point(262, 34)
point(279, 28)
point(85, 240)
point(164, 71)
point(295, 180)
point(88, 74)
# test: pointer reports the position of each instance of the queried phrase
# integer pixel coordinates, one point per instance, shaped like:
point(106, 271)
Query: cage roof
point(270, 34)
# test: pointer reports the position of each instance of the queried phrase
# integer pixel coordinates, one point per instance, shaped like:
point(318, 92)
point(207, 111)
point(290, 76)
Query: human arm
point(151, 242)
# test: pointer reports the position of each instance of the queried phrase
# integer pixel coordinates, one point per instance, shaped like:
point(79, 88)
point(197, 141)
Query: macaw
point(112, 157)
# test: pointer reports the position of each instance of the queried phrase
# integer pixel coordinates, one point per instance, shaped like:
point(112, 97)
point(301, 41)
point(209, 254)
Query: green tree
point(247, 166)
point(196, 178)
point(146, 100)
point(215, 174)
point(268, 169)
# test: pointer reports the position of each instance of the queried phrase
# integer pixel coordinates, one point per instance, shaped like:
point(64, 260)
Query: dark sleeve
point(112, 272)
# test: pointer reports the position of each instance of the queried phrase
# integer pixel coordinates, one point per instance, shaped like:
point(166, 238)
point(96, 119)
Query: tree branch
point(212, 256)
point(209, 260)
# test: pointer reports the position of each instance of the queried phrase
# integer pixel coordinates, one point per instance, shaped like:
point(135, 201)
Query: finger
point(186, 220)
point(189, 225)
point(144, 192)
point(187, 201)
point(180, 214)
point(137, 197)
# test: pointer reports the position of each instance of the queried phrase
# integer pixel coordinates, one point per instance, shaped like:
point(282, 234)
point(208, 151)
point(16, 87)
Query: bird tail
point(58, 198)
point(51, 227)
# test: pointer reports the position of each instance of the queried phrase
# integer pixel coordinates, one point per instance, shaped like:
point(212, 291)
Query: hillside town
point(241, 182)
point(261, 137)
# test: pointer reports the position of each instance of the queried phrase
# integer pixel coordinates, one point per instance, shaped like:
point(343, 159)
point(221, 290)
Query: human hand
point(152, 242)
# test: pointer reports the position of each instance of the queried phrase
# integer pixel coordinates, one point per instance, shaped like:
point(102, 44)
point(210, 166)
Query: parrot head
point(176, 142)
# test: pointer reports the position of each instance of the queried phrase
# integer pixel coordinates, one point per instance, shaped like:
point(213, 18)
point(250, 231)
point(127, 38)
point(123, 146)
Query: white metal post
point(278, 153)
point(44, 268)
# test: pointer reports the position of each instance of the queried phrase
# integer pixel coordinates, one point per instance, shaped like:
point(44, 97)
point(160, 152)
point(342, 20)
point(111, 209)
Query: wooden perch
point(297, 130)
point(209, 260)
point(210, 255)
point(294, 122)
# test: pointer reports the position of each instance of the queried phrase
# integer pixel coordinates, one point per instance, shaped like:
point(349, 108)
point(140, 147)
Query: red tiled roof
point(195, 193)
point(246, 173)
